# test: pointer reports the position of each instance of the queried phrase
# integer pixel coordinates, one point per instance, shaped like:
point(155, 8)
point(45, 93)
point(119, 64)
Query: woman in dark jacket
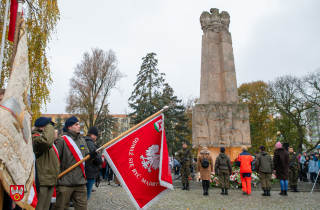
point(281, 165)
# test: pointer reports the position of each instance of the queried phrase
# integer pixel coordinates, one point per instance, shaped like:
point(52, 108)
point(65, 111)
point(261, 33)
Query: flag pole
point(4, 34)
point(17, 30)
point(114, 140)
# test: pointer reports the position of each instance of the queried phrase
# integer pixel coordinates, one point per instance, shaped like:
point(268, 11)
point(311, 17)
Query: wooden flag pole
point(114, 140)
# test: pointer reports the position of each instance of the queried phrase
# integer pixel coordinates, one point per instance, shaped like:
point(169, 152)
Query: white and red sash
point(32, 198)
point(75, 152)
point(54, 196)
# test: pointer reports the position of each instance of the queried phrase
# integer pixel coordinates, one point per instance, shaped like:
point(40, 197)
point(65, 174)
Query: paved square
point(109, 197)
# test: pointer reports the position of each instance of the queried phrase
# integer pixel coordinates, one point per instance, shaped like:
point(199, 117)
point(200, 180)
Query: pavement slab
point(113, 198)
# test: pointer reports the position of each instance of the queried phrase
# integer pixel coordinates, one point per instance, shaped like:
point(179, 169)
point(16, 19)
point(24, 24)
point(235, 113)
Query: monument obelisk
point(219, 120)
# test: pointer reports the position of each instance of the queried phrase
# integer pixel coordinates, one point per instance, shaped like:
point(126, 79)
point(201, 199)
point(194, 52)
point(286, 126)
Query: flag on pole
point(13, 18)
point(140, 161)
point(16, 154)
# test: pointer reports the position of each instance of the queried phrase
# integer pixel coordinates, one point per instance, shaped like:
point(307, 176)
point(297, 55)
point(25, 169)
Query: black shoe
point(285, 193)
point(222, 193)
point(244, 193)
point(109, 183)
point(187, 186)
point(295, 188)
point(282, 192)
point(264, 193)
point(184, 186)
point(268, 192)
point(226, 191)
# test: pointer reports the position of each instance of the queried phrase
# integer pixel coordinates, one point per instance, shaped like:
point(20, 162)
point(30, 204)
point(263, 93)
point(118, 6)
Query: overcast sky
point(270, 38)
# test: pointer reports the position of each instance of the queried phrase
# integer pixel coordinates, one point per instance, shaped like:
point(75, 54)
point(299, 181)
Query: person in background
point(109, 173)
point(205, 172)
point(253, 164)
point(47, 160)
point(294, 170)
point(300, 171)
point(244, 162)
point(281, 166)
point(186, 166)
point(302, 161)
point(313, 168)
point(223, 168)
point(264, 167)
point(104, 167)
point(176, 166)
point(92, 169)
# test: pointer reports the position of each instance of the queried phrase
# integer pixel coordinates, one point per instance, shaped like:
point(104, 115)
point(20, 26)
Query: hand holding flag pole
point(165, 108)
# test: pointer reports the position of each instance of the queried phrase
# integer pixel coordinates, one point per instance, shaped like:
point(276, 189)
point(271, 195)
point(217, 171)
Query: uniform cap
point(42, 121)
point(71, 121)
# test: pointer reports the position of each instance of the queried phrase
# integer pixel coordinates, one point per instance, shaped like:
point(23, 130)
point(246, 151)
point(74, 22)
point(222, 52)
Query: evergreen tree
point(58, 123)
point(175, 121)
point(105, 124)
point(149, 82)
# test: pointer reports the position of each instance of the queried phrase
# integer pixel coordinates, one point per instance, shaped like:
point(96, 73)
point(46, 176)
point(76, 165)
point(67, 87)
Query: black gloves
point(93, 154)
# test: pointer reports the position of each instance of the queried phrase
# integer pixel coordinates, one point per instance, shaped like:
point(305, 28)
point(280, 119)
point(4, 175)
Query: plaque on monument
point(219, 120)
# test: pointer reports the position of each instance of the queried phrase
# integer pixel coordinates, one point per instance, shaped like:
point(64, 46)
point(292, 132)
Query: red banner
point(140, 161)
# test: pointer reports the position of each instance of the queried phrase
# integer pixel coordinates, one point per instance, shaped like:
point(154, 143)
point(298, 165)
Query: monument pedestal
point(232, 152)
point(219, 120)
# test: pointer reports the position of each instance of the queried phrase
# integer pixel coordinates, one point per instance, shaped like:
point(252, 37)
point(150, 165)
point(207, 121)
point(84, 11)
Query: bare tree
point(309, 87)
point(93, 80)
point(284, 92)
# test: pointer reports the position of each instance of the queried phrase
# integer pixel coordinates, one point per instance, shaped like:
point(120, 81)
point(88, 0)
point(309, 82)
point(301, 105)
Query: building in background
point(313, 125)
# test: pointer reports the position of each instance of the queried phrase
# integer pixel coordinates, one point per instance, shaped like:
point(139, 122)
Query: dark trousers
point(103, 170)
point(313, 176)
point(110, 174)
point(176, 170)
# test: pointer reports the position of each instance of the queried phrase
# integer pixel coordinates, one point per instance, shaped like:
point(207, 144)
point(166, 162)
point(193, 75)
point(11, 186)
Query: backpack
point(205, 162)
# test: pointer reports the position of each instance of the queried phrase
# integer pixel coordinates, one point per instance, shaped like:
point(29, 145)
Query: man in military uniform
point(223, 168)
point(184, 156)
point(71, 147)
point(294, 170)
point(264, 166)
point(48, 165)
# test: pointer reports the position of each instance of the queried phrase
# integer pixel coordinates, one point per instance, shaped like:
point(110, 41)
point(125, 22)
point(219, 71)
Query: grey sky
point(270, 38)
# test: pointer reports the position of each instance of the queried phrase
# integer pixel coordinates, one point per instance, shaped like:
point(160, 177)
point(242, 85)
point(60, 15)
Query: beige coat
point(205, 173)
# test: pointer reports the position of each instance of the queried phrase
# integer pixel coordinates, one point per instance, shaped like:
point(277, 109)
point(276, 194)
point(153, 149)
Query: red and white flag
point(140, 161)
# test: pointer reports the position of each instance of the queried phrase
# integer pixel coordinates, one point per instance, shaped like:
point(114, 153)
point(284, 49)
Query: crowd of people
point(56, 152)
point(287, 166)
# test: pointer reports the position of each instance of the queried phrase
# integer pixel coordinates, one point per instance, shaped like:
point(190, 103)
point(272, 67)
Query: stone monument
point(219, 120)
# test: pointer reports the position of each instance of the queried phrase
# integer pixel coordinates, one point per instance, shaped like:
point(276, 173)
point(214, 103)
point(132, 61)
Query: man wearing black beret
point(72, 148)
point(264, 166)
point(46, 160)
point(92, 169)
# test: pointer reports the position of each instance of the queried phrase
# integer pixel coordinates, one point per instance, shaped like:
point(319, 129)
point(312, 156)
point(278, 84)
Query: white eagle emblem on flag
point(153, 159)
